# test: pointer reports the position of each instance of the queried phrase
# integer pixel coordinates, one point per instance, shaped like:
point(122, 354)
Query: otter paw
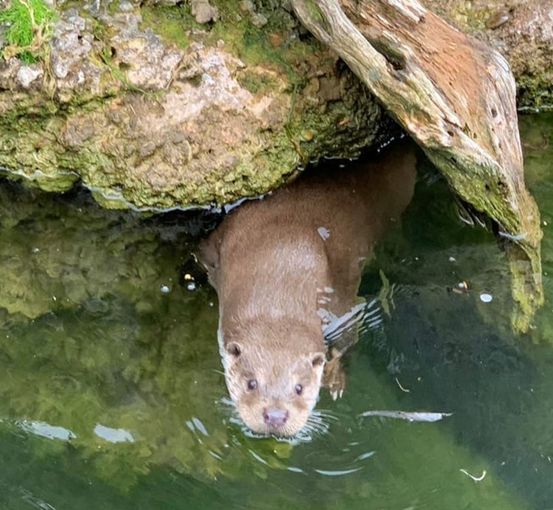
point(334, 377)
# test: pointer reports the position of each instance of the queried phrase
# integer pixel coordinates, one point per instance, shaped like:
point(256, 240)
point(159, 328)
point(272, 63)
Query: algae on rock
point(145, 123)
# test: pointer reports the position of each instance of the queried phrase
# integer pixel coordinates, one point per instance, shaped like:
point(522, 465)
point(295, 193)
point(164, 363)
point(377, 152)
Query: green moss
point(315, 12)
point(254, 47)
point(99, 30)
point(170, 23)
point(113, 7)
point(317, 16)
point(28, 145)
point(250, 43)
point(29, 26)
point(257, 82)
point(339, 128)
point(536, 92)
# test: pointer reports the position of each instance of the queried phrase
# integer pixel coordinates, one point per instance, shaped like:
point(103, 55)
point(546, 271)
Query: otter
point(282, 265)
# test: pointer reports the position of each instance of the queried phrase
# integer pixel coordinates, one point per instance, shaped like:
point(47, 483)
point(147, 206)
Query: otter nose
point(275, 417)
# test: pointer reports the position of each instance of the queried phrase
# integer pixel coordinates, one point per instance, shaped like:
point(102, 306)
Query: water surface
point(112, 396)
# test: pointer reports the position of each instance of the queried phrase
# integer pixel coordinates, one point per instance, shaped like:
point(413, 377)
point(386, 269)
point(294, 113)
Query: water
point(112, 396)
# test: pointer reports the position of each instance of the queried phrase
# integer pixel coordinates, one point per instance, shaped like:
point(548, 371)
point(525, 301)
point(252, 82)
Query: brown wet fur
point(271, 266)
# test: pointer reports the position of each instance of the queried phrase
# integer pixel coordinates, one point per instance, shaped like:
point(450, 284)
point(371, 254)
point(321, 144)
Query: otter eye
point(299, 389)
point(252, 384)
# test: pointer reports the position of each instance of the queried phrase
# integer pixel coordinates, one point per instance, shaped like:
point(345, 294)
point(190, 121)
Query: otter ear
point(234, 349)
point(317, 359)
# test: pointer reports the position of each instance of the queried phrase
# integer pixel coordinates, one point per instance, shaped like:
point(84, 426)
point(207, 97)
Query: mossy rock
point(151, 110)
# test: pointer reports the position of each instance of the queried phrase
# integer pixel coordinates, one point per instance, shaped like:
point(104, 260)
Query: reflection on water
point(112, 396)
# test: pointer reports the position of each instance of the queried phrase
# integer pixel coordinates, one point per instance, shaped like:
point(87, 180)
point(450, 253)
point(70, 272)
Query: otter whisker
point(315, 415)
point(324, 414)
point(316, 425)
point(228, 402)
point(306, 433)
point(228, 407)
point(329, 417)
point(316, 431)
point(313, 422)
point(320, 422)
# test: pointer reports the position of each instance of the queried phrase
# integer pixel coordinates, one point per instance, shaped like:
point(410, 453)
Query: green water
point(112, 396)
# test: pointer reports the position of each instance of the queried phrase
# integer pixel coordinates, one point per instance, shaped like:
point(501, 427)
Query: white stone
point(27, 75)
point(486, 298)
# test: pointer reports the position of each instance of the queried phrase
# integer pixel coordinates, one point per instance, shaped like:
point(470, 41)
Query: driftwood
point(456, 98)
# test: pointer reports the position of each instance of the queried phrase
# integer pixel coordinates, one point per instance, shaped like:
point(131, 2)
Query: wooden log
point(456, 97)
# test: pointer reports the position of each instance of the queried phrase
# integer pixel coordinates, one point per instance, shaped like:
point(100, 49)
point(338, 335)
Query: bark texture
point(522, 30)
point(456, 97)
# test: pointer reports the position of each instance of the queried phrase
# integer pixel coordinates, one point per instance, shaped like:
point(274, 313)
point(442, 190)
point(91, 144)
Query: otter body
point(283, 263)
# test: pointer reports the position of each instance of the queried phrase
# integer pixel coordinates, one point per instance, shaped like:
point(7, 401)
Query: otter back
point(275, 262)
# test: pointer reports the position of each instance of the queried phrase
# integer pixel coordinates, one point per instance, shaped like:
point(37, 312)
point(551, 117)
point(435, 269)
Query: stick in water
point(420, 416)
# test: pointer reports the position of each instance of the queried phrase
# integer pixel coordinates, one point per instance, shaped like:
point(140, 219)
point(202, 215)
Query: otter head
point(274, 382)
